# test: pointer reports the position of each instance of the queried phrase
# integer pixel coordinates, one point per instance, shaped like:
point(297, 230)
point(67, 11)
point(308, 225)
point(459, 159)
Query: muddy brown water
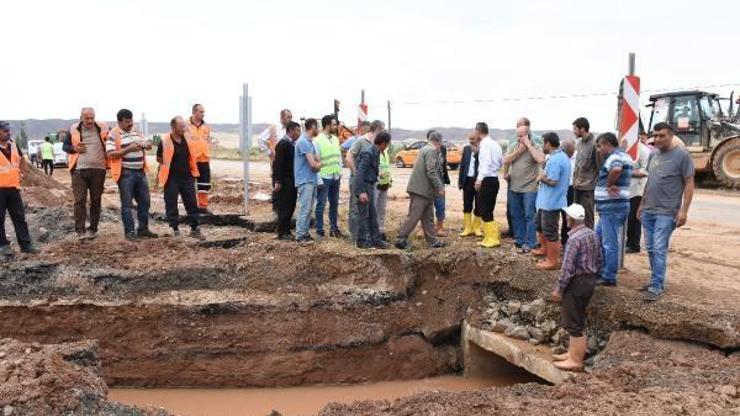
point(291, 401)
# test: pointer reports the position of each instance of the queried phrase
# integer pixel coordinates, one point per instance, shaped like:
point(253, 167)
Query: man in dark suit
point(282, 173)
point(466, 183)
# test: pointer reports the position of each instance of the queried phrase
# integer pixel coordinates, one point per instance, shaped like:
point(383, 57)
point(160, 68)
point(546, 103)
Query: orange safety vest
point(198, 141)
point(10, 170)
point(168, 150)
point(76, 138)
point(116, 164)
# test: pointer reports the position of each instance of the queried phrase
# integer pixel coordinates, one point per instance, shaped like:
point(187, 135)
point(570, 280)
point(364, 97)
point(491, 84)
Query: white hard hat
point(576, 212)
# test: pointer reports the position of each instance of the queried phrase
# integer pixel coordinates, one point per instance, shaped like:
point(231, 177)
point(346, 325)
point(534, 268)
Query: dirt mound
point(635, 375)
point(56, 379)
point(230, 191)
point(40, 190)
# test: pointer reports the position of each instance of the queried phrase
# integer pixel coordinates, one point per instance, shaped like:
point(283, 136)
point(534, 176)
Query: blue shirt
point(616, 159)
point(557, 168)
point(302, 171)
point(349, 142)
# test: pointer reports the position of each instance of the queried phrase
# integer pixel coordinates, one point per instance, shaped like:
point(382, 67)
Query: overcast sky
point(159, 57)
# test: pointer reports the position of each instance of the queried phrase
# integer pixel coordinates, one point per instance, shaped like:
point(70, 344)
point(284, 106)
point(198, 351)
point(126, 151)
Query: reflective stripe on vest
point(10, 170)
point(168, 151)
point(198, 139)
point(76, 138)
point(330, 154)
point(116, 165)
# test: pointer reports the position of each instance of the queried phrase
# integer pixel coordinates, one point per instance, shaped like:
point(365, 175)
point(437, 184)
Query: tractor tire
point(726, 163)
point(399, 163)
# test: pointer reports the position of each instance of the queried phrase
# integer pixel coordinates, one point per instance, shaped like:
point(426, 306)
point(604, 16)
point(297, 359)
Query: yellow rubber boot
point(495, 234)
point(491, 235)
point(467, 225)
point(476, 226)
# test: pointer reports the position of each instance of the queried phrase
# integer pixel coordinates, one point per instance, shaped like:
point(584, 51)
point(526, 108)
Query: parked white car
point(60, 157)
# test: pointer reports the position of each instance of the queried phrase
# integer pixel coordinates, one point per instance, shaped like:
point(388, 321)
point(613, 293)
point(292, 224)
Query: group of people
point(183, 173)
point(652, 192)
point(549, 182)
point(307, 172)
point(93, 148)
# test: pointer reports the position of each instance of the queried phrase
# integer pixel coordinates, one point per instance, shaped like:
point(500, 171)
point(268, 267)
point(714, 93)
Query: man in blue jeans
point(330, 155)
point(665, 202)
point(612, 200)
point(126, 148)
point(522, 164)
point(305, 169)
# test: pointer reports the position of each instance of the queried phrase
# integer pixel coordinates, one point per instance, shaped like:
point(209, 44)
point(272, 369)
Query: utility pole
point(245, 139)
point(144, 126)
point(389, 116)
point(362, 111)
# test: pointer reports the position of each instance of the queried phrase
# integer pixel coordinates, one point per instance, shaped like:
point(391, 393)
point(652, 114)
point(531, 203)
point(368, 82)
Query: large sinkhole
point(245, 324)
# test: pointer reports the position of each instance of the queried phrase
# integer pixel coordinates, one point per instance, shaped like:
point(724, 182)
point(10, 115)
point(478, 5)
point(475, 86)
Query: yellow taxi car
point(407, 157)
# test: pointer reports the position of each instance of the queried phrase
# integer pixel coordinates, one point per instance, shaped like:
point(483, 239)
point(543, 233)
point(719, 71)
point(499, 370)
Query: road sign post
point(628, 121)
point(245, 139)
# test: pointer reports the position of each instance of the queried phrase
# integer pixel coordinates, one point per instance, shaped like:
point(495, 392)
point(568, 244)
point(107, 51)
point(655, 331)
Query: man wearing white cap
point(582, 263)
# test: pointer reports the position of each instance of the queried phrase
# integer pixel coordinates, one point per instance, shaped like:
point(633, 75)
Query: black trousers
point(471, 199)
point(181, 188)
point(285, 203)
point(48, 166)
point(203, 182)
point(564, 229)
point(11, 201)
point(586, 199)
point(488, 195)
point(576, 298)
point(547, 223)
point(634, 227)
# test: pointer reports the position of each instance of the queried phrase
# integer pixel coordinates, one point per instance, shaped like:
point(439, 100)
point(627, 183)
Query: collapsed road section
point(267, 313)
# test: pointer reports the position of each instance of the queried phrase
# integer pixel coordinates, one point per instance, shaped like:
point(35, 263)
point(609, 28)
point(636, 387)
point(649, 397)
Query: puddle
point(291, 401)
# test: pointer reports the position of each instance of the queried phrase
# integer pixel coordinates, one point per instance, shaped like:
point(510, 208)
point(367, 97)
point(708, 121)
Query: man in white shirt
point(637, 187)
point(490, 160)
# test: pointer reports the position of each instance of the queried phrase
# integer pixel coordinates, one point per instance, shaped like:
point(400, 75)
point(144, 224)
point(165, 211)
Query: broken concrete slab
point(535, 359)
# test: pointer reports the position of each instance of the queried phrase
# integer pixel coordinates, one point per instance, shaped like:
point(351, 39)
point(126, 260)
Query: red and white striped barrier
point(629, 123)
point(361, 113)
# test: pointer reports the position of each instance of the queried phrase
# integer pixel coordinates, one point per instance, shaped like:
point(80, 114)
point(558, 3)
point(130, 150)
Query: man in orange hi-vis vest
point(10, 194)
point(200, 142)
point(177, 173)
point(88, 162)
point(126, 147)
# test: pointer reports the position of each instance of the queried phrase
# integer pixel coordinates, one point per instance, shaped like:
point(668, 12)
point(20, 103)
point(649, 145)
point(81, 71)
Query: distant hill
point(37, 129)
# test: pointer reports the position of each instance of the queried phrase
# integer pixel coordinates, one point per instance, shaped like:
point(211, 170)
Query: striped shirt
point(616, 159)
point(132, 160)
point(582, 255)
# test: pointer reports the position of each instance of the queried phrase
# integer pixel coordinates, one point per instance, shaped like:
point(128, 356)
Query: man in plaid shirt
point(582, 263)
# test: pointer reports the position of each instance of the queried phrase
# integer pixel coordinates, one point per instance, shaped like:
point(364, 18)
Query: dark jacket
point(426, 177)
point(467, 157)
point(282, 167)
point(368, 168)
point(443, 164)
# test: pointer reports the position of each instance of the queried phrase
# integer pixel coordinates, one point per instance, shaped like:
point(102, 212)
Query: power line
point(552, 97)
